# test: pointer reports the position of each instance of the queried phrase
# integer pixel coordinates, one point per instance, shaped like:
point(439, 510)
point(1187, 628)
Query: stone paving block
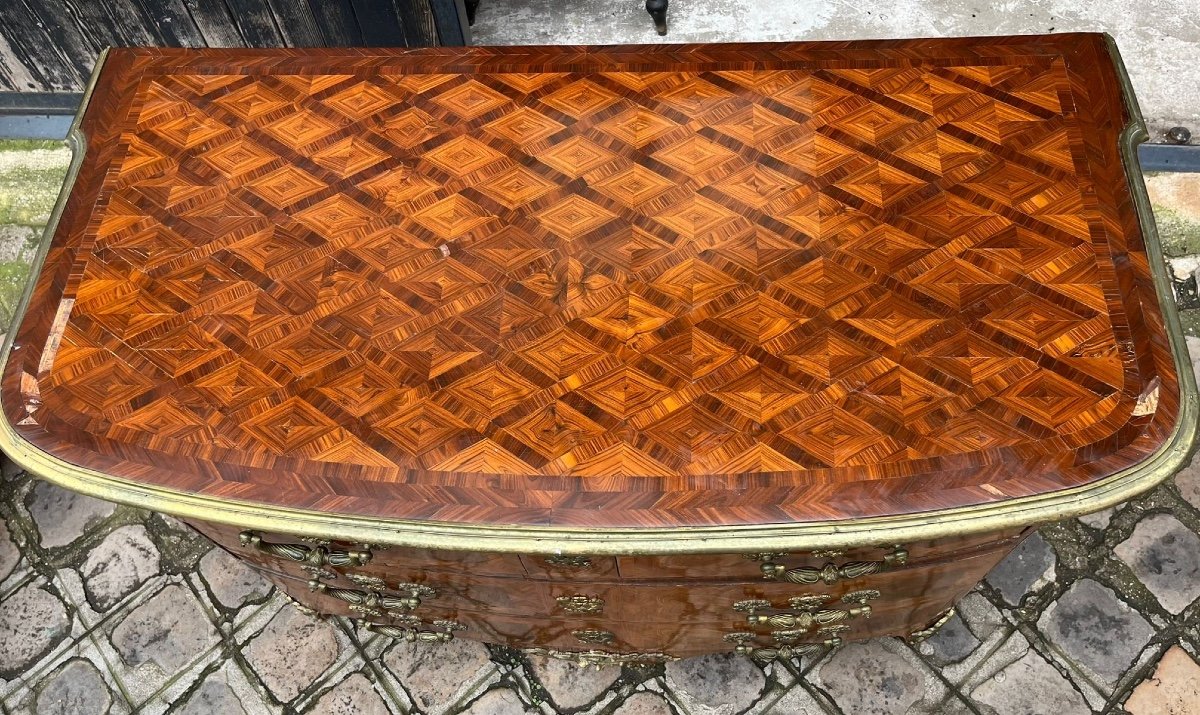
point(354, 695)
point(1096, 630)
point(231, 581)
point(1173, 689)
point(1028, 685)
point(500, 701)
point(715, 684)
point(159, 639)
point(213, 696)
point(292, 652)
point(226, 691)
point(75, 688)
point(1099, 519)
point(32, 622)
point(62, 516)
point(438, 676)
point(118, 565)
point(879, 677)
point(1029, 565)
point(796, 701)
point(952, 643)
point(644, 703)
point(569, 685)
point(10, 556)
point(1188, 482)
point(1165, 556)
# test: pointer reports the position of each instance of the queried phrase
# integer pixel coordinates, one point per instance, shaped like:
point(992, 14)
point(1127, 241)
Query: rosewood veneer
point(615, 353)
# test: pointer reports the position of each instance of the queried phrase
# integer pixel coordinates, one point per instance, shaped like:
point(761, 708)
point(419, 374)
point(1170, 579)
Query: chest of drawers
point(616, 353)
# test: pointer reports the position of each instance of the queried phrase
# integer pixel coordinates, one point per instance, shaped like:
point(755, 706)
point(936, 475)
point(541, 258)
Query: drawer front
point(382, 557)
point(607, 635)
point(706, 567)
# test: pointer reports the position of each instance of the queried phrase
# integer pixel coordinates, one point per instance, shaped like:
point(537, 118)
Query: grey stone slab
point(796, 701)
point(75, 688)
point(63, 516)
point(32, 622)
point(165, 632)
point(1095, 630)
point(118, 565)
point(952, 643)
point(10, 556)
point(232, 582)
point(437, 676)
point(1026, 686)
point(570, 685)
point(213, 696)
point(644, 703)
point(879, 677)
point(1188, 479)
point(1027, 566)
point(715, 684)
point(500, 701)
point(353, 696)
point(1165, 556)
point(292, 652)
point(1098, 519)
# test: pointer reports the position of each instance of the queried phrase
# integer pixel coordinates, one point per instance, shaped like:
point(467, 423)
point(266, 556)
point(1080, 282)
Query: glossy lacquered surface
point(602, 287)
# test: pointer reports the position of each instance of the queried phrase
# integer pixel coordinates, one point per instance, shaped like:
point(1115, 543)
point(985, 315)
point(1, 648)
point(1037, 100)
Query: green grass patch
point(12, 282)
point(27, 195)
point(29, 144)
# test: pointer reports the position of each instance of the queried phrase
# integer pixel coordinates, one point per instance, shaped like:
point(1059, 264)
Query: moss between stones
point(1180, 235)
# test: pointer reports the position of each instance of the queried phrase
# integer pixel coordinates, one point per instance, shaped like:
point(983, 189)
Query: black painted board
point(379, 23)
point(450, 16)
point(171, 24)
point(255, 22)
point(337, 22)
point(215, 23)
point(417, 19)
point(65, 37)
point(296, 23)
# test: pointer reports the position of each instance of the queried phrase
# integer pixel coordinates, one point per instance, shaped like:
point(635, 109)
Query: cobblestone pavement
point(108, 609)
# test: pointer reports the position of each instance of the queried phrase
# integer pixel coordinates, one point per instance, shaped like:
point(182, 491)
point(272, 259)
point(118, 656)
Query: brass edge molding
point(548, 540)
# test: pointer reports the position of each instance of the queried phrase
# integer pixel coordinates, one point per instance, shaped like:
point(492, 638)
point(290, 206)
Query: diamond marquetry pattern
point(757, 266)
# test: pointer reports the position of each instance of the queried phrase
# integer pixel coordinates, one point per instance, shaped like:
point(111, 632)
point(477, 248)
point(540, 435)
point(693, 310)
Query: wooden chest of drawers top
point(602, 288)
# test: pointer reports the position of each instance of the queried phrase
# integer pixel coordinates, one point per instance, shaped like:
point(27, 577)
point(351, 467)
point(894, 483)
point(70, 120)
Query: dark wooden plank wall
point(50, 45)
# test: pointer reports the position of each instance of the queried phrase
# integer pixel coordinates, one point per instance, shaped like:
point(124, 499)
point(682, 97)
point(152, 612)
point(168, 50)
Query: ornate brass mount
point(314, 558)
point(574, 563)
point(601, 659)
point(811, 614)
point(831, 573)
point(411, 633)
point(932, 628)
point(374, 603)
point(593, 636)
point(782, 652)
point(580, 604)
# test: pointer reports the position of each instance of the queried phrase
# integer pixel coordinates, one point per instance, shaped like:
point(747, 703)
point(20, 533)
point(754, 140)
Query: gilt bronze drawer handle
point(831, 573)
point(807, 620)
point(580, 604)
point(368, 603)
point(593, 636)
point(601, 659)
point(575, 563)
point(781, 652)
point(406, 633)
point(313, 557)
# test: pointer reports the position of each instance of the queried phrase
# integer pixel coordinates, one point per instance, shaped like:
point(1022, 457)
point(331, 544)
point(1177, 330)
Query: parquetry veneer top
point(610, 286)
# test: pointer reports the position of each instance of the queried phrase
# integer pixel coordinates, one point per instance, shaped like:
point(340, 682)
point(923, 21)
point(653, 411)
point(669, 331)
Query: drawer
point(693, 602)
point(707, 567)
point(441, 590)
point(598, 633)
point(383, 558)
point(570, 568)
